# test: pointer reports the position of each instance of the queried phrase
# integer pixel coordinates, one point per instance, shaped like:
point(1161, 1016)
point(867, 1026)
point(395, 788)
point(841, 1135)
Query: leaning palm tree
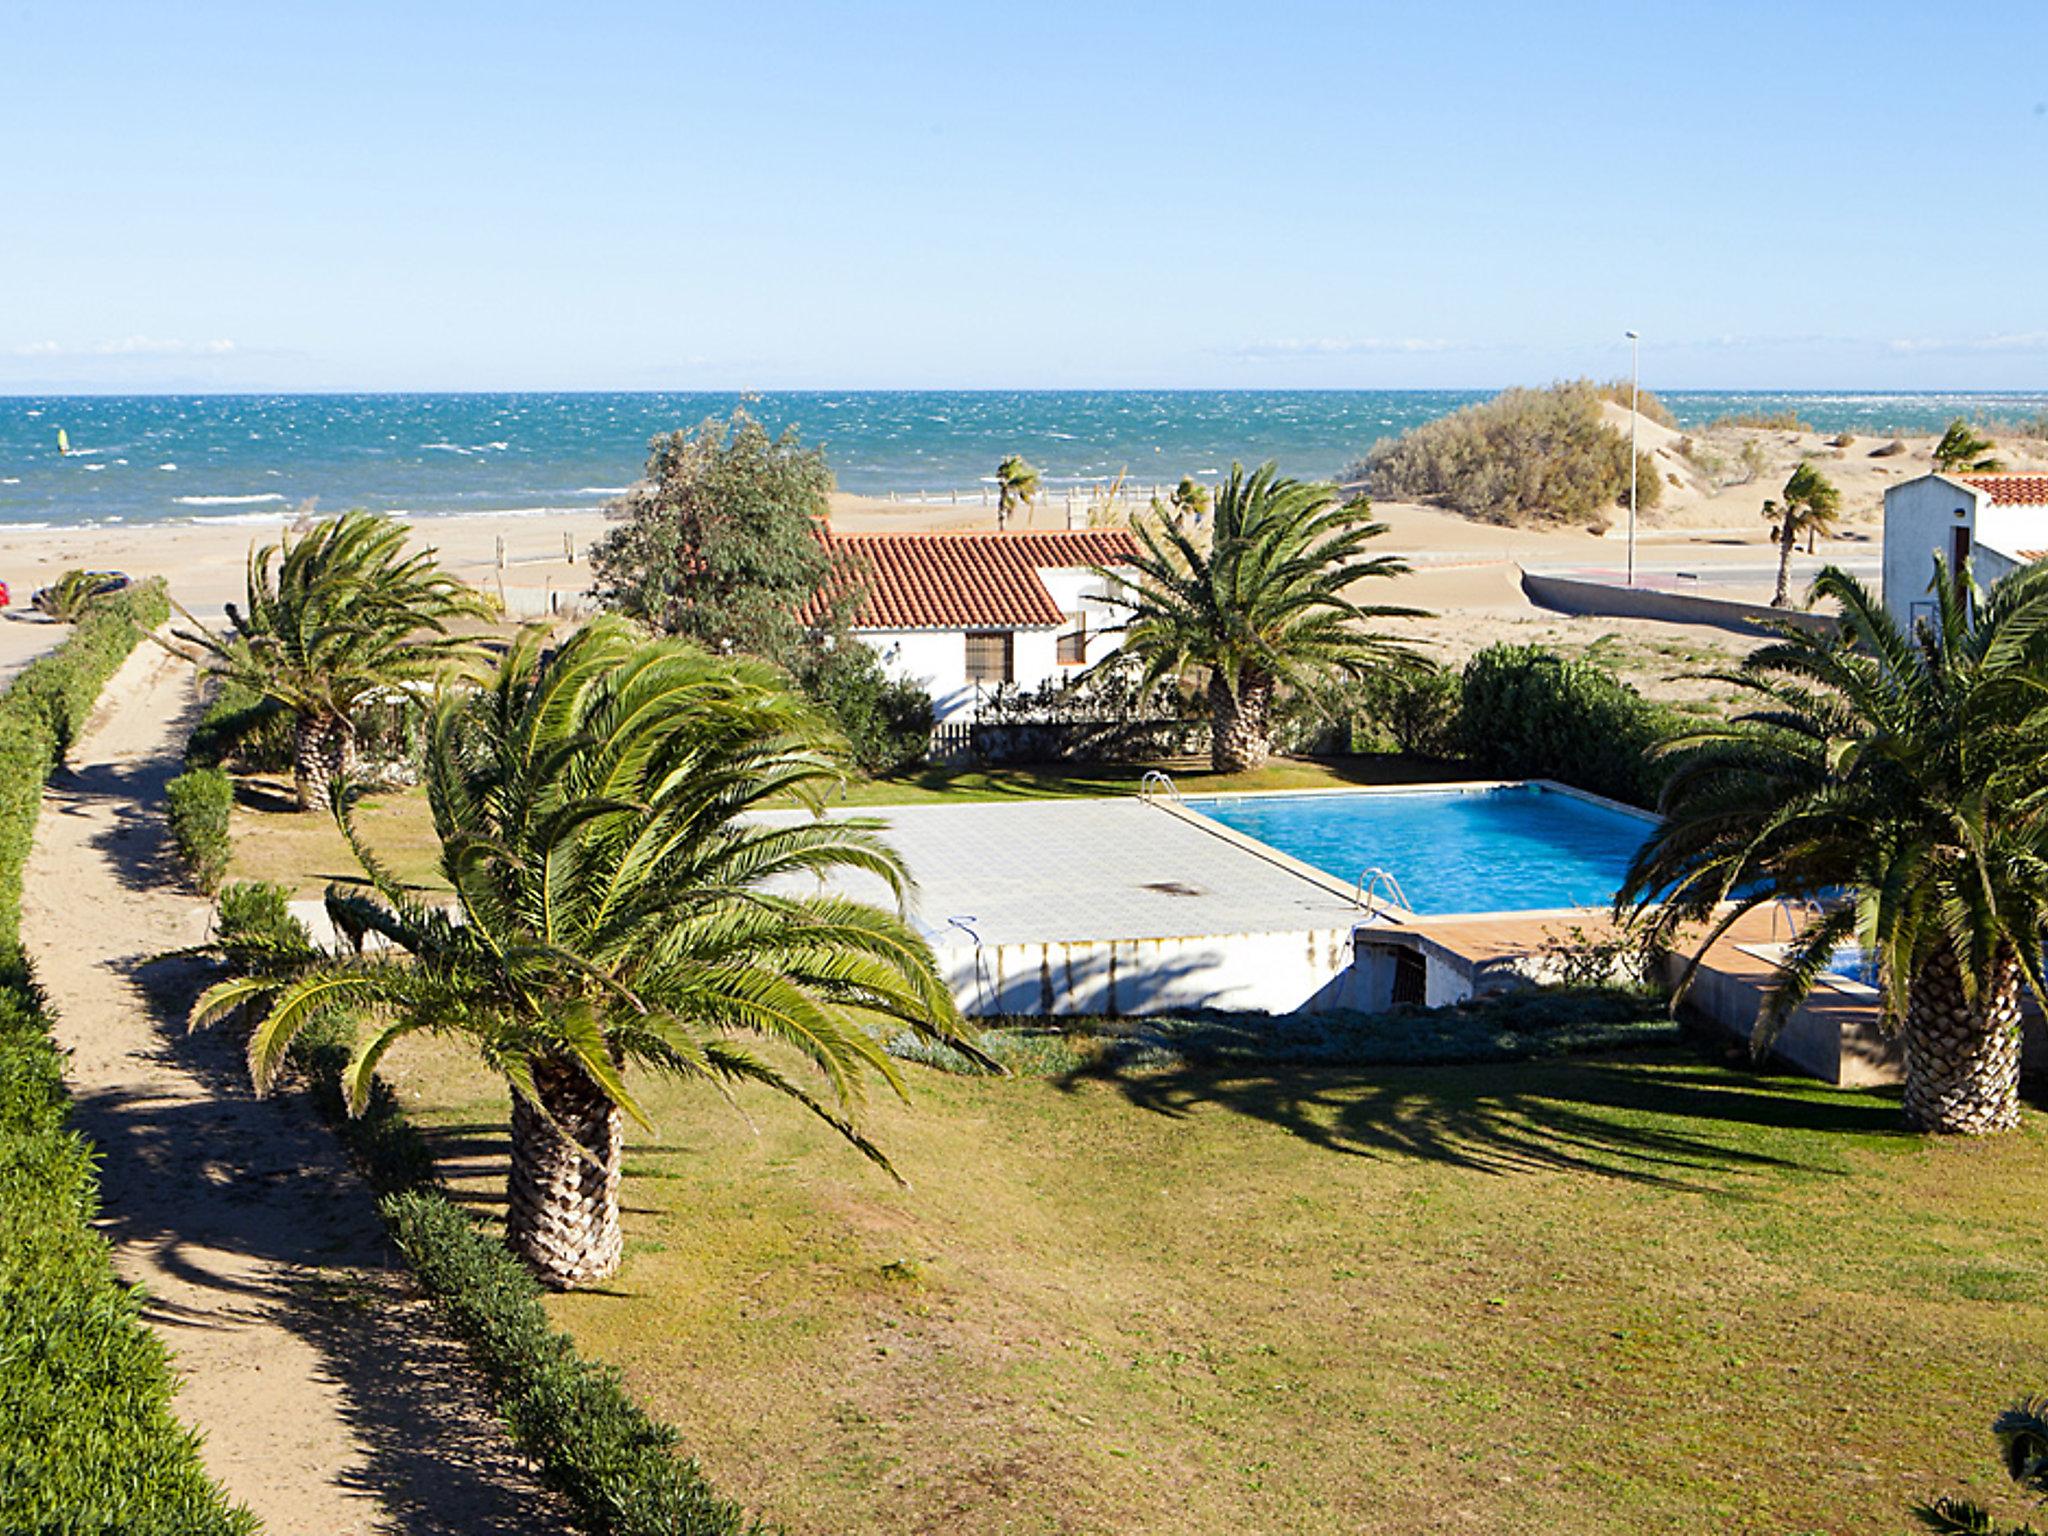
point(1017, 485)
point(1264, 604)
point(1190, 498)
point(1810, 507)
point(336, 619)
point(1900, 785)
point(1963, 450)
point(618, 905)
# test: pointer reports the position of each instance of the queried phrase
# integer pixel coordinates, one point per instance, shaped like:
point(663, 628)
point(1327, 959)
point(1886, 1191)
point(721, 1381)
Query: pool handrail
point(1155, 780)
point(1367, 891)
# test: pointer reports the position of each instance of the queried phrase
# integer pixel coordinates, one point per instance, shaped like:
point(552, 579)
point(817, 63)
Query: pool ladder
point(1157, 782)
point(1375, 886)
point(1793, 910)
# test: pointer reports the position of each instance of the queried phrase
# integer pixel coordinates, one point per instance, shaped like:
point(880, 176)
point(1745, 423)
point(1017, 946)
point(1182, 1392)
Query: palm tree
point(617, 906)
point(1901, 784)
point(1190, 498)
point(344, 618)
point(1964, 451)
point(1264, 604)
point(1017, 485)
point(1810, 507)
point(2022, 1435)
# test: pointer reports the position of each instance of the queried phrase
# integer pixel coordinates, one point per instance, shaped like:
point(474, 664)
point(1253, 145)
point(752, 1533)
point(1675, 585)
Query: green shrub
point(1783, 420)
point(615, 1464)
point(1647, 405)
point(887, 723)
point(197, 805)
point(1530, 713)
point(87, 1439)
point(1528, 455)
point(1387, 711)
point(242, 727)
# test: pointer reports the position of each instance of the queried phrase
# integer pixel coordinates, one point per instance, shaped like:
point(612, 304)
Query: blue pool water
point(1852, 962)
point(1517, 849)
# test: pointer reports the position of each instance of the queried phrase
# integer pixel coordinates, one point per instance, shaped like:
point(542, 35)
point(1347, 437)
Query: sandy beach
point(1465, 571)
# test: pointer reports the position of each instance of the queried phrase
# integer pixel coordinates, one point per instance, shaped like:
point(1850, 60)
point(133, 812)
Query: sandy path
point(329, 1401)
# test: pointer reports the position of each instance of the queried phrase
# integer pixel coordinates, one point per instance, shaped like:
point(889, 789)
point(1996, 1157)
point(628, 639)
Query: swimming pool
point(1511, 848)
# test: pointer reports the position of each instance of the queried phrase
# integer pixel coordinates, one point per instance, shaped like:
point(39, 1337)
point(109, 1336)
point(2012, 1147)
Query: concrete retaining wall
point(1305, 972)
point(1567, 594)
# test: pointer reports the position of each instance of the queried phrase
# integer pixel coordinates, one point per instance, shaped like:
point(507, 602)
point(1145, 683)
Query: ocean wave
point(445, 448)
point(227, 501)
point(27, 527)
point(602, 490)
point(11, 480)
point(232, 519)
point(167, 466)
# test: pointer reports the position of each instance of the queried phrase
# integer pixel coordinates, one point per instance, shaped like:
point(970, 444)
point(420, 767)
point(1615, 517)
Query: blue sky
point(620, 196)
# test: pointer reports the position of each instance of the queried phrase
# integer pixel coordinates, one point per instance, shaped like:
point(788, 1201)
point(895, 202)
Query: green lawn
point(1646, 1292)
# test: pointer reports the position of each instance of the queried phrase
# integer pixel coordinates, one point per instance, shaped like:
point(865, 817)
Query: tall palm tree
point(616, 906)
point(1264, 604)
point(1963, 450)
point(1017, 485)
point(1810, 507)
point(335, 619)
point(1901, 783)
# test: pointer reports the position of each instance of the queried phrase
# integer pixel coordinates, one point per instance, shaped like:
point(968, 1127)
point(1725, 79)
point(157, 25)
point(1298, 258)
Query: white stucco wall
point(936, 659)
point(1920, 519)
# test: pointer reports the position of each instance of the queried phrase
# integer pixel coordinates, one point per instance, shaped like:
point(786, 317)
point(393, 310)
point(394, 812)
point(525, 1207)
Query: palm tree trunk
point(562, 1197)
point(1783, 597)
point(1240, 722)
point(323, 750)
point(1962, 1059)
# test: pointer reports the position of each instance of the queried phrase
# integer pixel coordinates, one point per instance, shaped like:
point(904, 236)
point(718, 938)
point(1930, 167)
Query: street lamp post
point(1635, 385)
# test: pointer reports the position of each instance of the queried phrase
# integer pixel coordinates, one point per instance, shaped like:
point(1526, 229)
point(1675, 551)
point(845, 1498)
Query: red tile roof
point(968, 580)
point(2012, 490)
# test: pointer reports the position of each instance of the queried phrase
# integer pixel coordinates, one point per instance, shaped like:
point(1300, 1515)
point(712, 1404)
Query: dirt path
point(329, 1401)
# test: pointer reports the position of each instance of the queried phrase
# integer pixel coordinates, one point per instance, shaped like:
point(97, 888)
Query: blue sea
point(160, 458)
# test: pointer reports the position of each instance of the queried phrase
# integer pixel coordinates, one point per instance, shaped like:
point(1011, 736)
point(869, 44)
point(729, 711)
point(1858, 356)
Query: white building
point(964, 613)
point(1993, 523)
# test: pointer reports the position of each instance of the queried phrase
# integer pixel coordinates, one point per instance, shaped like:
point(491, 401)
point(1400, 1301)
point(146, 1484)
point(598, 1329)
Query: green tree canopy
point(1266, 603)
point(1900, 783)
point(720, 543)
point(1811, 505)
point(619, 906)
point(1017, 485)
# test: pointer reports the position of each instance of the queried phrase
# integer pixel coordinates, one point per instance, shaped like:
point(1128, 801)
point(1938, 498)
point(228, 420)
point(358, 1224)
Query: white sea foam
point(94, 468)
point(25, 527)
point(167, 466)
point(227, 501)
point(444, 448)
point(11, 480)
point(602, 490)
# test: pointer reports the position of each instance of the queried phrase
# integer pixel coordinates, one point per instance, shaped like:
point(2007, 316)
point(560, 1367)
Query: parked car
point(76, 588)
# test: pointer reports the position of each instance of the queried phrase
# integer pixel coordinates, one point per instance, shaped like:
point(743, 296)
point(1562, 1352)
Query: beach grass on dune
point(1646, 1291)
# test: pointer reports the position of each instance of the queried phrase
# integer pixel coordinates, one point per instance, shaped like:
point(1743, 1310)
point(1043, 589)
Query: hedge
point(87, 1439)
point(617, 1466)
point(1525, 712)
point(197, 804)
point(43, 711)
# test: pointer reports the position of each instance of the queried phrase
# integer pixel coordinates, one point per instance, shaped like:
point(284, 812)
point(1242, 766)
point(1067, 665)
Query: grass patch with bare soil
point(1227, 1293)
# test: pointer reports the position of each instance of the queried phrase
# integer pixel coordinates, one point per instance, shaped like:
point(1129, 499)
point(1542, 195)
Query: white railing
point(1377, 886)
point(1157, 782)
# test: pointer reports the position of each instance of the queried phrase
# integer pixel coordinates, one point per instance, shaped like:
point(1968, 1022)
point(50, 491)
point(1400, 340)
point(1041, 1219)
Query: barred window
point(1073, 645)
point(991, 656)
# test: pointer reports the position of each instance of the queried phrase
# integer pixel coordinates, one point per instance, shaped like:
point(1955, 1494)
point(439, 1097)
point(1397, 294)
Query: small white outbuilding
point(1993, 523)
point(962, 614)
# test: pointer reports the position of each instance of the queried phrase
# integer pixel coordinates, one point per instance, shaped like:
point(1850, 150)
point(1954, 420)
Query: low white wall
point(1306, 972)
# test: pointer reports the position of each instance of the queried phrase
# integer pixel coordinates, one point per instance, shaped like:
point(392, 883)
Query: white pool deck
point(1070, 871)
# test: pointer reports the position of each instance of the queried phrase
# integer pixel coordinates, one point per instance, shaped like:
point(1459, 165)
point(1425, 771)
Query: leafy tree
point(336, 620)
point(618, 907)
point(720, 543)
point(1017, 485)
point(1899, 783)
point(1810, 507)
point(1962, 450)
point(2022, 1434)
point(1190, 498)
point(887, 721)
point(1263, 605)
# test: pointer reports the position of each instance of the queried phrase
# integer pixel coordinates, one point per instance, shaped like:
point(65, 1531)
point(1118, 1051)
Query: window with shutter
point(991, 656)
point(1073, 645)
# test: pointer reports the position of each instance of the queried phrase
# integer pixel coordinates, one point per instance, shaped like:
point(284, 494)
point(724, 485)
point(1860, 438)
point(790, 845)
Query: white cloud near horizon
point(1331, 346)
point(128, 346)
point(2009, 341)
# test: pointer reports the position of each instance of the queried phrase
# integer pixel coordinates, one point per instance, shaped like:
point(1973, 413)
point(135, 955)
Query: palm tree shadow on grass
point(1649, 1120)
